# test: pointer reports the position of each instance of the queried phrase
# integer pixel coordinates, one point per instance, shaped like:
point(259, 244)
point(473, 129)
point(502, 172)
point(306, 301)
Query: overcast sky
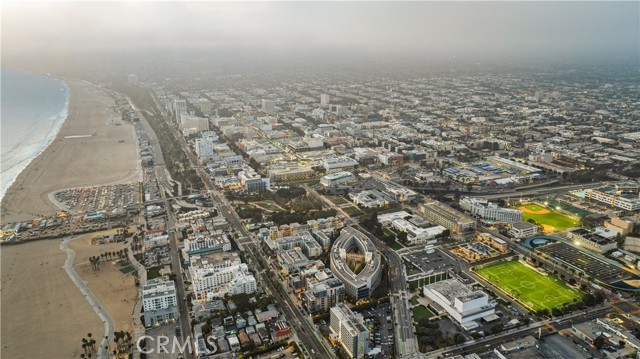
point(563, 31)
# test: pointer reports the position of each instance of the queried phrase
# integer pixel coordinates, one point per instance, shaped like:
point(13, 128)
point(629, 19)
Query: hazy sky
point(563, 31)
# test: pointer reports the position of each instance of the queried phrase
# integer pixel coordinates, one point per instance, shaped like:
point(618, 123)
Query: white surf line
point(109, 325)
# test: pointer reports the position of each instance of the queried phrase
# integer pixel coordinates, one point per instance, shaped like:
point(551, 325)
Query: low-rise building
point(611, 196)
point(439, 213)
point(337, 178)
point(462, 304)
point(482, 208)
point(523, 230)
point(336, 164)
point(592, 241)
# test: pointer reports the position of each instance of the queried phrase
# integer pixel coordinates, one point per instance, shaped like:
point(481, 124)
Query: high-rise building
point(204, 147)
point(159, 301)
point(178, 107)
point(268, 106)
point(348, 329)
point(188, 121)
point(133, 80)
point(324, 99)
point(323, 295)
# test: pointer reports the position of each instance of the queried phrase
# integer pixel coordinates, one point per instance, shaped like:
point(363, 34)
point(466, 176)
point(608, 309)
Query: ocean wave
point(24, 154)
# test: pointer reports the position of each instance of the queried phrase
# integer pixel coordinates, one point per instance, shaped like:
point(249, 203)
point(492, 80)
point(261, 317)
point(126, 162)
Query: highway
point(539, 191)
point(109, 324)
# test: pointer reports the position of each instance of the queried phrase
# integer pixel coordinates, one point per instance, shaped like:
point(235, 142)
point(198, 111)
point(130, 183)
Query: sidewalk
point(139, 329)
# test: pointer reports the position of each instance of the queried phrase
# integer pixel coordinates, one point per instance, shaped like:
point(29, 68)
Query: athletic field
point(549, 219)
point(534, 290)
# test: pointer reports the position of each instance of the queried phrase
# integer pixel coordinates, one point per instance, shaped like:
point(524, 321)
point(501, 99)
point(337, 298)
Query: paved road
point(406, 342)
point(162, 178)
point(532, 329)
point(540, 191)
point(109, 325)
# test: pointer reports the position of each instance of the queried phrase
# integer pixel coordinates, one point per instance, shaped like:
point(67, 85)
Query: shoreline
point(50, 136)
point(71, 159)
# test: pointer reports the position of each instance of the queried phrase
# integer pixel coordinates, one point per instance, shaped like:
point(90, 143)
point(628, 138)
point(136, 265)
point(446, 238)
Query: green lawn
point(352, 211)
point(420, 312)
point(269, 205)
point(395, 246)
point(337, 200)
point(552, 218)
point(529, 287)
point(127, 269)
point(153, 273)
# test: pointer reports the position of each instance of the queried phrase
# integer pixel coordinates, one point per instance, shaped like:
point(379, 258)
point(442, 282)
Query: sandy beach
point(94, 147)
point(43, 313)
point(116, 291)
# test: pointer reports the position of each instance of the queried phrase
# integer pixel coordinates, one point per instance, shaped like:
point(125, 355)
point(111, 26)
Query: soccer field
point(529, 287)
point(548, 218)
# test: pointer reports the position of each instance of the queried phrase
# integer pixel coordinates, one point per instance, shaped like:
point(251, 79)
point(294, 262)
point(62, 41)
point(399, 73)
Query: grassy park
point(420, 312)
point(549, 219)
point(534, 290)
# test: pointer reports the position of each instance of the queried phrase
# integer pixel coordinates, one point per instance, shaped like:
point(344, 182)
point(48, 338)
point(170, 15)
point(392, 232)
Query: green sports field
point(550, 219)
point(534, 290)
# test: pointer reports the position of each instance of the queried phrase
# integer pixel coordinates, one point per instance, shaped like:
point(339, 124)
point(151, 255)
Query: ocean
point(32, 110)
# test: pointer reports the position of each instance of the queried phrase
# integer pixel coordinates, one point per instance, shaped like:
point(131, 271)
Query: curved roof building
point(353, 245)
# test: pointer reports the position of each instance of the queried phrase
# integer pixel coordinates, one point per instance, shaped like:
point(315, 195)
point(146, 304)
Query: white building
point(337, 178)
point(325, 99)
point(612, 197)
point(159, 302)
point(349, 245)
point(188, 121)
point(251, 181)
point(370, 199)
point(592, 240)
point(204, 147)
point(214, 279)
point(133, 80)
point(523, 229)
point(155, 240)
point(335, 164)
point(178, 107)
point(202, 244)
point(348, 329)
point(482, 208)
point(268, 106)
point(415, 234)
point(462, 304)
